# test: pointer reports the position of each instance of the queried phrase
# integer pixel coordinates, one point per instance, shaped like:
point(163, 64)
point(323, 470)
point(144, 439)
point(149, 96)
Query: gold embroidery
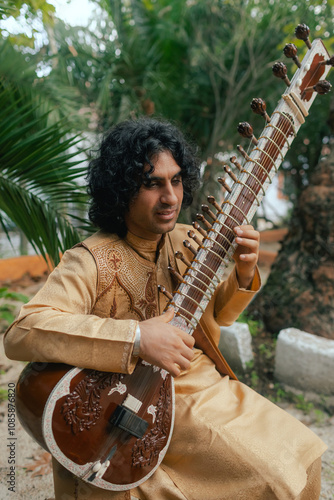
point(114, 260)
point(149, 291)
point(113, 309)
point(124, 289)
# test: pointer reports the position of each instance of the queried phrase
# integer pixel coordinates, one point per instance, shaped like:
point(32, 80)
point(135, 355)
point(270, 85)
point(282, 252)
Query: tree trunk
point(300, 289)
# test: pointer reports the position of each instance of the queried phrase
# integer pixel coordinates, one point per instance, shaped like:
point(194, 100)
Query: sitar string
point(261, 170)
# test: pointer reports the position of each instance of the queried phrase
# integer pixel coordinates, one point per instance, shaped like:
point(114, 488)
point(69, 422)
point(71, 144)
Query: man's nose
point(168, 195)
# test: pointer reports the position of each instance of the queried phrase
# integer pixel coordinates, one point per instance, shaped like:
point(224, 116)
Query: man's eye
point(177, 181)
point(148, 184)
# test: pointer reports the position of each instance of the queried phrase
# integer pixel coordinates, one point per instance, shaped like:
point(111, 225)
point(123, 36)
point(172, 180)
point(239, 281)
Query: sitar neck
point(243, 198)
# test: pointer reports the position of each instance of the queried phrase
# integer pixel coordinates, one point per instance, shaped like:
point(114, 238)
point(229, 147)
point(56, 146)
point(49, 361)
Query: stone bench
point(236, 345)
point(302, 360)
point(305, 361)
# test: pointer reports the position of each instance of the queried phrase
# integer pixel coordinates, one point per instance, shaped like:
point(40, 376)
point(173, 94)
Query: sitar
point(112, 430)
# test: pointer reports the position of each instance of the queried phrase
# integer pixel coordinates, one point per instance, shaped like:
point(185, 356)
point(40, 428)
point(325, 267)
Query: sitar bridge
point(128, 421)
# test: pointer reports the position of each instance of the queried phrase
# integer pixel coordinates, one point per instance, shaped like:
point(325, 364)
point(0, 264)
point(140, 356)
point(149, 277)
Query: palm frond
point(7, 7)
point(39, 170)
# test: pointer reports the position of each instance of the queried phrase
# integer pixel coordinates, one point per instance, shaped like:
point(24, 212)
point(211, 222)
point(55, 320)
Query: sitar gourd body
point(110, 429)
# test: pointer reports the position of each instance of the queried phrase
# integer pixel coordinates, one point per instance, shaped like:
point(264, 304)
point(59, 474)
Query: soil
point(32, 474)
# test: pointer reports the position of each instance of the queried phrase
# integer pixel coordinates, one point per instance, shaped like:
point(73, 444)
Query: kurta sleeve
point(57, 325)
point(227, 304)
point(230, 300)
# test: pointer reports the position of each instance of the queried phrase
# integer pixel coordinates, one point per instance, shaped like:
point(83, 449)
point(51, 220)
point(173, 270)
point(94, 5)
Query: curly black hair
point(116, 174)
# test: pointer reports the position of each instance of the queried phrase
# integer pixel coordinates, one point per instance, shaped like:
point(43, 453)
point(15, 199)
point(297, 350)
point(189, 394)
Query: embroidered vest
point(127, 283)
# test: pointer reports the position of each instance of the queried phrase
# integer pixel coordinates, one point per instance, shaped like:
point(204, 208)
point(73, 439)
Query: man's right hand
point(165, 345)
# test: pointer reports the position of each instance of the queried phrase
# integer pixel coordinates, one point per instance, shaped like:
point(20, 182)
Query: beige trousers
point(67, 487)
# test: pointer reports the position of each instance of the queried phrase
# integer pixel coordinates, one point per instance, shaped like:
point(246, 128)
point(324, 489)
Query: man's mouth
point(166, 214)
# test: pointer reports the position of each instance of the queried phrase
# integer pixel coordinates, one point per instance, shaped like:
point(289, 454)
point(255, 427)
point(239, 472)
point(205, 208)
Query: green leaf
point(38, 188)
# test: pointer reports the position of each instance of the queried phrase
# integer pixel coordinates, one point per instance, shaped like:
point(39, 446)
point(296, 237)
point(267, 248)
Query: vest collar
point(145, 248)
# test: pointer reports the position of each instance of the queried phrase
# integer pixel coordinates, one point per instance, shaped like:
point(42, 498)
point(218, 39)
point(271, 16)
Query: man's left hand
point(246, 254)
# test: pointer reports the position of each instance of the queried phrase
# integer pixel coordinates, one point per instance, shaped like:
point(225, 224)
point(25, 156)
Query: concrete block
point(305, 361)
point(236, 345)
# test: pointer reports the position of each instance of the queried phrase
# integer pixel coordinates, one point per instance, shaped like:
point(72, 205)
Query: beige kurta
point(228, 443)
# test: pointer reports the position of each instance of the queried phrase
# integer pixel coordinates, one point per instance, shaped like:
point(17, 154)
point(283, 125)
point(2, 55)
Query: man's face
point(155, 209)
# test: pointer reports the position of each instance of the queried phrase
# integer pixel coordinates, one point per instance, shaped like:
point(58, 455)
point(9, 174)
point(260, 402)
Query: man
point(228, 442)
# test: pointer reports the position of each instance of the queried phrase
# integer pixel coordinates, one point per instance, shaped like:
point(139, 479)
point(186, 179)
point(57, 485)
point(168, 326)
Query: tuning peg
point(223, 182)
point(175, 274)
point(243, 153)
point(208, 212)
point(302, 32)
point(280, 71)
point(230, 173)
point(233, 159)
point(290, 51)
point(201, 218)
point(188, 245)
point(329, 62)
point(194, 237)
point(179, 255)
point(200, 229)
point(212, 201)
point(322, 87)
point(259, 107)
point(246, 130)
point(163, 290)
